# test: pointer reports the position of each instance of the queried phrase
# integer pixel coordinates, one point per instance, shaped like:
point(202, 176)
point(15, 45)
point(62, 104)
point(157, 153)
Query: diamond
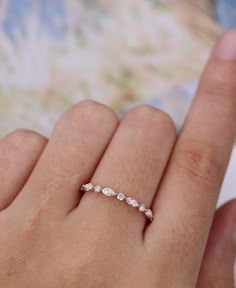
point(149, 214)
point(120, 196)
point(97, 189)
point(142, 208)
point(109, 192)
point(88, 187)
point(132, 202)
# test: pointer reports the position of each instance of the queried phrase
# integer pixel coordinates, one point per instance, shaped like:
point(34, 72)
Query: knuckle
point(217, 86)
point(142, 112)
point(167, 122)
point(91, 112)
point(21, 134)
point(198, 162)
point(24, 138)
point(148, 116)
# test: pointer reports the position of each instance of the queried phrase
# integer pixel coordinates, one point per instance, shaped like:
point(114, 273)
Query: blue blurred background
point(51, 11)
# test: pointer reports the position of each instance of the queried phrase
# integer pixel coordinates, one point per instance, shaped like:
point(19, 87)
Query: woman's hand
point(52, 235)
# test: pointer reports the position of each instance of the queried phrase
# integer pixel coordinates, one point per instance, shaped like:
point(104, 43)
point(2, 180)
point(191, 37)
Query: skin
point(54, 236)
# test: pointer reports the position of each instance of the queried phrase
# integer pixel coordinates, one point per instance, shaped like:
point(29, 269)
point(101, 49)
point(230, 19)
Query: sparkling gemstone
point(132, 202)
point(88, 187)
point(97, 189)
point(120, 196)
point(108, 192)
point(149, 214)
point(142, 208)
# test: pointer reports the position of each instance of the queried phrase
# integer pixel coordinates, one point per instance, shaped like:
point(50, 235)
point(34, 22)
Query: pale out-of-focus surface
point(114, 53)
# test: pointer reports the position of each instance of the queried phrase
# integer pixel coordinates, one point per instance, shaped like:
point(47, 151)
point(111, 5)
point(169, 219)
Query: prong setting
point(142, 208)
point(87, 187)
point(120, 196)
point(149, 214)
point(97, 189)
point(132, 202)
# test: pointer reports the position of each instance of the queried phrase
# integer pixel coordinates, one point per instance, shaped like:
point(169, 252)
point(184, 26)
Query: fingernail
point(225, 49)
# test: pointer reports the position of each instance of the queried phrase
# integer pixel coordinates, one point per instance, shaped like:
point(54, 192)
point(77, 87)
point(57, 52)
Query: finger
point(187, 198)
point(69, 159)
point(19, 152)
point(218, 262)
point(133, 165)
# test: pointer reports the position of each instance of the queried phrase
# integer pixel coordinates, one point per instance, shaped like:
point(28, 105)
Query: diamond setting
point(120, 196)
point(87, 187)
point(97, 189)
point(149, 214)
point(132, 202)
point(142, 208)
point(109, 192)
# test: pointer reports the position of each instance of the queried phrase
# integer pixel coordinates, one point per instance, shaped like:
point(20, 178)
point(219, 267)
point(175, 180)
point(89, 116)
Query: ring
point(120, 196)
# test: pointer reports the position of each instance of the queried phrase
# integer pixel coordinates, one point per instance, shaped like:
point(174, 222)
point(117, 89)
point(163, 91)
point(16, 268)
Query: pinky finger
point(218, 262)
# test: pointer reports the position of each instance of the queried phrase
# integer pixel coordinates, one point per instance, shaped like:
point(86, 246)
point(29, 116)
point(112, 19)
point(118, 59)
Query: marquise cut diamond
point(132, 202)
point(109, 192)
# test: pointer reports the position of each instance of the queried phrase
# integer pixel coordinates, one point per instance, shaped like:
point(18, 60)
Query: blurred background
point(54, 53)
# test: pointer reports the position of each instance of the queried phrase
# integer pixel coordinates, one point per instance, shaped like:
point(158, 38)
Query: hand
point(53, 235)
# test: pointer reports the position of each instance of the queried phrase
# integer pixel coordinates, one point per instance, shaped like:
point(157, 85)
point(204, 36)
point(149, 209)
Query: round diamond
point(120, 196)
point(88, 187)
point(142, 208)
point(132, 202)
point(97, 189)
point(149, 214)
point(108, 192)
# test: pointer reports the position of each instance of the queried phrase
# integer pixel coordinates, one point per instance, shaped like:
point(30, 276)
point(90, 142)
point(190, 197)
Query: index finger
point(186, 200)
